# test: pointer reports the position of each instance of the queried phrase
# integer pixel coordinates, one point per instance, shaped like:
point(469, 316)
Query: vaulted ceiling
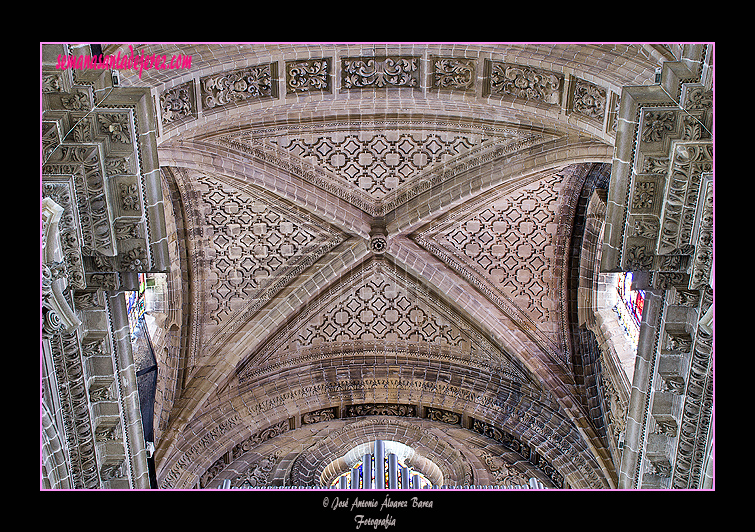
point(360, 225)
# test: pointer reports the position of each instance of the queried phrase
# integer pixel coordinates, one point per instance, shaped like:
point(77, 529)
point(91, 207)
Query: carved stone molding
point(660, 218)
point(103, 223)
point(528, 453)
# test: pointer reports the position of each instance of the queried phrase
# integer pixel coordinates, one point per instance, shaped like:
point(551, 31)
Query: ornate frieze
point(254, 476)
point(380, 409)
point(444, 416)
point(513, 444)
point(503, 474)
point(380, 72)
point(258, 438)
point(257, 475)
point(324, 414)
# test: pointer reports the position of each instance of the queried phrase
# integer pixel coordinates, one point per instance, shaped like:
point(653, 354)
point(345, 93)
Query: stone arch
point(381, 380)
point(309, 467)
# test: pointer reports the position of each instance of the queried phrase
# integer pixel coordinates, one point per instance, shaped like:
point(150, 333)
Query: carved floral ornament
point(380, 72)
point(309, 75)
point(453, 73)
point(177, 103)
point(239, 85)
point(315, 75)
point(525, 82)
point(589, 99)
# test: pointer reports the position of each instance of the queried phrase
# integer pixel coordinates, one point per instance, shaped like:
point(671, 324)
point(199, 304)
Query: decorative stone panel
point(453, 73)
point(589, 100)
point(178, 104)
point(380, 72)
point(523, 82)
point(246, 84)
point(307, 76)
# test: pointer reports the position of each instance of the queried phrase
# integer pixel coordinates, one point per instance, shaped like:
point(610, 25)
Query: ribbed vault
point(349, 252)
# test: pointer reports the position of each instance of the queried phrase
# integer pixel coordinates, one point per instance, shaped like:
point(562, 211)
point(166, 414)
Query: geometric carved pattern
point(378, 162)
point(257, 244)
point(378, 308)
point(508, 241)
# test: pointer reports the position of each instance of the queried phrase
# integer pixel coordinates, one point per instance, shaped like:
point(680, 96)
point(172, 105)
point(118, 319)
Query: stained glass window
point(629, 306)
point(149, 297)
point(135, 303)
